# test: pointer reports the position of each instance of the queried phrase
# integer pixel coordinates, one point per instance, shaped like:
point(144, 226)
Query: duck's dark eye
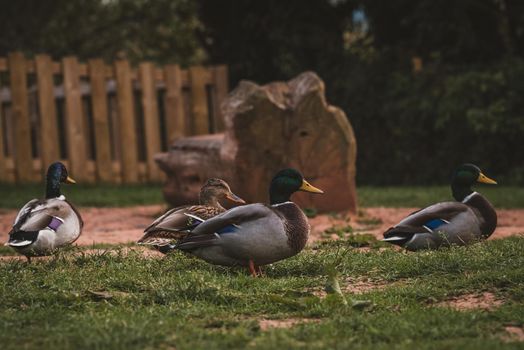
point(221, 186)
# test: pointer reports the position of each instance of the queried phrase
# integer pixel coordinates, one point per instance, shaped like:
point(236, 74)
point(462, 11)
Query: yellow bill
point(69, 180)
point(486, 180)
point(307, 187)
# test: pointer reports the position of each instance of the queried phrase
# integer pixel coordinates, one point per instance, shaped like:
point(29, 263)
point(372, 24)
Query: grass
point(407, 196)
point(122, 301)
point(104, 195)
point(14, 196)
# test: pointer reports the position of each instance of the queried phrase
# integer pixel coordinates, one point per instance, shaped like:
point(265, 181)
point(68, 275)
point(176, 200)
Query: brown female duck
point(176, 223)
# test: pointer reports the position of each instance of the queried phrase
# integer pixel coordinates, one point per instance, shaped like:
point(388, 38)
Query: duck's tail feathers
point(163, 245)
point(162, 237)
point(393, 239)
point(194, 241)
point(155, 241)
point(400, 235)
point(20, 239)
point(18, 243)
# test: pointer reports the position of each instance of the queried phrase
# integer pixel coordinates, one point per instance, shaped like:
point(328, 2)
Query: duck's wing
point(426, 220)
point(176, 224)
point(36, 215)
point(208, 232)
point(162, 217)
point(24, 213)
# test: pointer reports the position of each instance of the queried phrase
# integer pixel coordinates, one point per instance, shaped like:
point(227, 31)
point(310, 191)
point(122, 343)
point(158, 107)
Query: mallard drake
point(255, 234)
point(176, 223)
point(43, 225)
point(469, 219)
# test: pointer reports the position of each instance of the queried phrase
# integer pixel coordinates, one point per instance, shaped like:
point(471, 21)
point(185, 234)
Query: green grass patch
point(406, 196)
point(8, 251)
point(116, 301)
point(5, 250)
point(104, 195)
point(14, 196)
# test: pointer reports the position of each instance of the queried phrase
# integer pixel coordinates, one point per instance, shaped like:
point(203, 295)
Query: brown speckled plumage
point(296, 225)
point(176, 223)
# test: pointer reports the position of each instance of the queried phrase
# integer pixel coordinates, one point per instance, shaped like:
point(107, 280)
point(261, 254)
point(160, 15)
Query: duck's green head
point(285, 183)
point(465, 176)
point(56, 174)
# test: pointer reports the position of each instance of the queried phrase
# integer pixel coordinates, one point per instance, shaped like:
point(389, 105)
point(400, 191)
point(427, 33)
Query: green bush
point(414, 128)
point(464, 106)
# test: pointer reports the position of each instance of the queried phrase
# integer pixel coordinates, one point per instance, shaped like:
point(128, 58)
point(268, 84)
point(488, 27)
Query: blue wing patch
point(228, 229)
point(435, 223)
point(194, 221)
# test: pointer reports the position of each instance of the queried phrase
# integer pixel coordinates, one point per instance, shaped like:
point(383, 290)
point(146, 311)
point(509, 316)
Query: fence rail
point(104, 121)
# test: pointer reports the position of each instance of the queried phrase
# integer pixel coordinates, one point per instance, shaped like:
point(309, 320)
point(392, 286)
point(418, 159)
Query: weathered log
point(267, 128)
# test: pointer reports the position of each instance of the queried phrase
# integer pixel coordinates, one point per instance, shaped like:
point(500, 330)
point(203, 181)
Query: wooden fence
point(105, 122)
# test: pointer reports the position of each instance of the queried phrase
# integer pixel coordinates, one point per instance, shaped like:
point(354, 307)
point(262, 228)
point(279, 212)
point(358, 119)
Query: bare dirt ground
point(485, 301)
point(514, 333)
point(123, 225)
point(266, 324)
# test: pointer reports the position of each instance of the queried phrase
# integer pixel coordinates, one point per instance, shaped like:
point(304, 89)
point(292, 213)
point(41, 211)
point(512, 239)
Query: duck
point(468, 219)
point(256, 234)
point(44, 225)
point(175, 224)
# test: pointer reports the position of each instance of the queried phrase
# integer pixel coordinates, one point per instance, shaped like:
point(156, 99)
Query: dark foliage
point(159, 30)
point(464, 104)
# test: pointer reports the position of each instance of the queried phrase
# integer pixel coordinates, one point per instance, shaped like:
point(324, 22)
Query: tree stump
point(268, 128)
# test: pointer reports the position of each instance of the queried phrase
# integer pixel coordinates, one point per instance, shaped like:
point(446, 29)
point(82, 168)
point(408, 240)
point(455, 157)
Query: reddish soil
point(123, 225)
point(356, 286)
point(514, 334)
point(285, 323)
point(485, 301)
point(362, 285)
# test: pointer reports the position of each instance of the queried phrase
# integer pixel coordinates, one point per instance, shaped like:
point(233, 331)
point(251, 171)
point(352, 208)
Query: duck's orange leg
point(259, 271)
point(252, 268)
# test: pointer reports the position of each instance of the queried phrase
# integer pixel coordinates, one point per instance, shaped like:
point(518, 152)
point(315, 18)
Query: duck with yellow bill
point(255, 234)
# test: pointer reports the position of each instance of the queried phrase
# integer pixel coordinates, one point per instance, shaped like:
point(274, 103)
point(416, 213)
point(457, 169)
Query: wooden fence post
point(50, 151)
point(128, 139)
point(97, 76)
point(200, 116)
point(174, 104)
point(220, 80)
point(151, 119)
point(113, 130)
point(76, 135)
point(23, 157)
point(3, 167)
